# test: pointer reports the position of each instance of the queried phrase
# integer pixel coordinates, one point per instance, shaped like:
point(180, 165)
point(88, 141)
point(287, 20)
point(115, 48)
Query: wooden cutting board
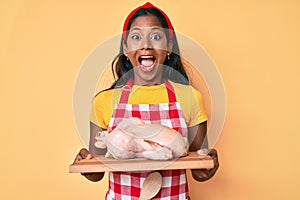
point(102, 164)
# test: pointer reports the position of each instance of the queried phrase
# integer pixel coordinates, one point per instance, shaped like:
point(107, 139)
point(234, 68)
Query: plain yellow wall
point(255, 45)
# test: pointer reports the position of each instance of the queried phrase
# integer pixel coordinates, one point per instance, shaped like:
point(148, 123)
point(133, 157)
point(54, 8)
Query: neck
point(143, 82)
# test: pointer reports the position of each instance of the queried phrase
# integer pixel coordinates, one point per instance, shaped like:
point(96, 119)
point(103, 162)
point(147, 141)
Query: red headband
point(147, 5)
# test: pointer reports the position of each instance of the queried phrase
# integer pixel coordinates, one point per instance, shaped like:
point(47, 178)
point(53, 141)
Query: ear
point(170, 46)
point(125, 48)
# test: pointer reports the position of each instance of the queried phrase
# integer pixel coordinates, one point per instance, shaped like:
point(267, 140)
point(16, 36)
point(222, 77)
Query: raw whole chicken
point(134, 138)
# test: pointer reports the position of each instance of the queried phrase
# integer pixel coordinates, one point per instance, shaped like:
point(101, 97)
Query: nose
point(146, 43)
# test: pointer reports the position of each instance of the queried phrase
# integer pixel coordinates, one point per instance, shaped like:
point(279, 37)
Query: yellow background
point(255, 45)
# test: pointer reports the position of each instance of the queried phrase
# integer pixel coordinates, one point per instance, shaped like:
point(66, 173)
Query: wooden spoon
point(151, 186)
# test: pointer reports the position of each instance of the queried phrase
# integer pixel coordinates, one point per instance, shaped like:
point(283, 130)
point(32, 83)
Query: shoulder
point(106, 95)
point(187, 94)
point(181, 89)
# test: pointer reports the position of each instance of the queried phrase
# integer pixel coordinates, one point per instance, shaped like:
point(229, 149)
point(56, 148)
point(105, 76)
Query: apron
point(127, 185)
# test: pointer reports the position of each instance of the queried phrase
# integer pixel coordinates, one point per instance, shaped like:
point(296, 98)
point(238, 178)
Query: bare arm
point(197, 137)
point(94, 129)
point(85, 154)
point(197, 140)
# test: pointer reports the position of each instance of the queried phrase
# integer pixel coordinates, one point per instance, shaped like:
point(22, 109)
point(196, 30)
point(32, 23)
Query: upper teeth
point(146, 57)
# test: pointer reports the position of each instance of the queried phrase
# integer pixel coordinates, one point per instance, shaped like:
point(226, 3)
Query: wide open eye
point(136, 37)
point(155, 37)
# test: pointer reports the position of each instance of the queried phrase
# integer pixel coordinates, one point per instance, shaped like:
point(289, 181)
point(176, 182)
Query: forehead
point(145, 21)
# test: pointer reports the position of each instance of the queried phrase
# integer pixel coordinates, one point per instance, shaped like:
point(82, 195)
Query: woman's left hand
point(205, 174)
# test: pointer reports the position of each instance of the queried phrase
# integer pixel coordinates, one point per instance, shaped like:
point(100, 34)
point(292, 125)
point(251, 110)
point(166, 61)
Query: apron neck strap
point(128, 86)
point(170, 90)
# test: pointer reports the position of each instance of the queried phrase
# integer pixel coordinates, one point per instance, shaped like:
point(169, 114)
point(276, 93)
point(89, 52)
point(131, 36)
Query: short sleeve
point(101, 109)
point(197, 112)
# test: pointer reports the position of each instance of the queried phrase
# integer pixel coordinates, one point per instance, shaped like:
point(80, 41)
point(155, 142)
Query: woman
point(149, 66)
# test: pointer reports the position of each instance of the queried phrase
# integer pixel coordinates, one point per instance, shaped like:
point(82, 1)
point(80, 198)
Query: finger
point(213, 153)
point(77, 158)
point(204, 171)
point(207, 174)
point(86, 174)
point(213, 171)
point(202, 175)
point(89, 156)
point(84, 153)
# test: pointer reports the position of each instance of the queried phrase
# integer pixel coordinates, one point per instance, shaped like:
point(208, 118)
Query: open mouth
point(146, 62)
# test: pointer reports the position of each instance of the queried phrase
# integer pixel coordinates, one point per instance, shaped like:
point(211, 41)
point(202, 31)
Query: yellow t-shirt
point(190, 100)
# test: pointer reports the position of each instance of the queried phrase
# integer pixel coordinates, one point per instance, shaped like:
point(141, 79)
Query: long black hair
point(122, 67)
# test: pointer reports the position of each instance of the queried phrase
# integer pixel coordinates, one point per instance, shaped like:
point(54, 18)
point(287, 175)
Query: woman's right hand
point(85, 154)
